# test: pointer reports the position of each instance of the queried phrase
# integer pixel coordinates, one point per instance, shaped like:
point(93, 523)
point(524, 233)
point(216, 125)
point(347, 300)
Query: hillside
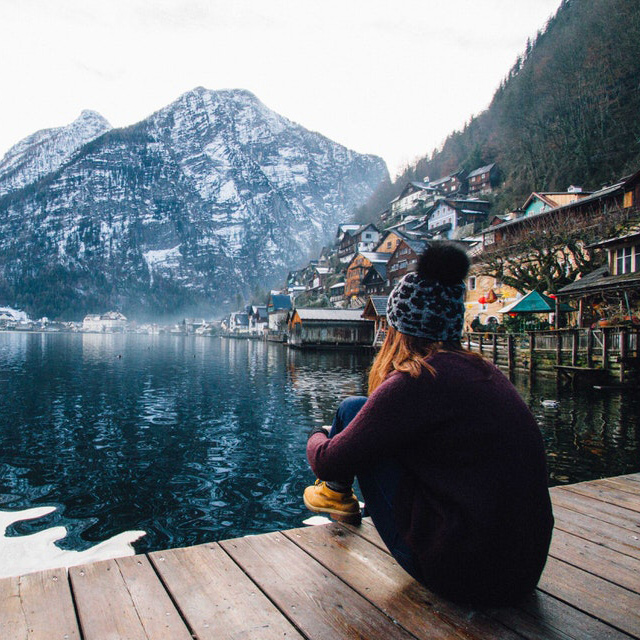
point(567, 112)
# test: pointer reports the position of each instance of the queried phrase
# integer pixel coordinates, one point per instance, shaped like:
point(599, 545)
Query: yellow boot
point(343, 507)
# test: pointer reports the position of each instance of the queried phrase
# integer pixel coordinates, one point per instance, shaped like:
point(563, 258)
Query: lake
point(194, 439)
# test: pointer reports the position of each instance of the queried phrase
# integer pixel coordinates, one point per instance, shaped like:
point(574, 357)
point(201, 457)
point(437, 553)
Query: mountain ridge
point(210, 195)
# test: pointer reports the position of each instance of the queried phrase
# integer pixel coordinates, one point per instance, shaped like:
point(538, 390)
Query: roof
point(380, 269)
point(337, 285)
point(602, 193)
point(600, 279)
point(417, 246)
point(379, 304)
point(333, 315)
point(374, 257)
point(534, 302)
point(280, 302)
point(445, 179)
point(617, 240)
point(481, 170)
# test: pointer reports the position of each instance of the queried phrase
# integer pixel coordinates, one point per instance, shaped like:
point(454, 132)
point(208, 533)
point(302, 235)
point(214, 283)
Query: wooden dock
point(335, 581)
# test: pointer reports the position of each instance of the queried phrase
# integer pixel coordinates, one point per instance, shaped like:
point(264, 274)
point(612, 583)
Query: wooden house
point(357, 269)
point(578, 211)
point(403, 260)
point(364, 238)
point(314, 328)
point(483, 179)
point(450, 185)
point(375, 280)
point(376, 310)
point(389, 241)
point(610, 294)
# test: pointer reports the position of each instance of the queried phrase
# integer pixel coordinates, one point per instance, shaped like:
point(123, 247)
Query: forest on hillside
point(566, 113)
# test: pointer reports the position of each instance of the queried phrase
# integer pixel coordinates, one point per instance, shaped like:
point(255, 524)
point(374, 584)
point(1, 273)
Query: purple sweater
point(473, 504)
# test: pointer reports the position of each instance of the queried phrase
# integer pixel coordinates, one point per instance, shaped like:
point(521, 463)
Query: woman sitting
point(449, 459)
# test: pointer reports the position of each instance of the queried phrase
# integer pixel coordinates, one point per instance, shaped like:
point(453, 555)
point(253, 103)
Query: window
point(471, 283)
point(623, 260)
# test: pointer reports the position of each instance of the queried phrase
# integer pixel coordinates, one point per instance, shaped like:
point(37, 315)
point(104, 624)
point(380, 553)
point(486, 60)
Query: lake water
point(193, 439)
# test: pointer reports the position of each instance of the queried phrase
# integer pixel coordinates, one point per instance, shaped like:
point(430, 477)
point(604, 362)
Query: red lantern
point(513, 314)
point(482, 300)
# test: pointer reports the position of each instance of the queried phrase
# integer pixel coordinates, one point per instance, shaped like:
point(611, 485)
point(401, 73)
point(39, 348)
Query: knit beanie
point(429, 303)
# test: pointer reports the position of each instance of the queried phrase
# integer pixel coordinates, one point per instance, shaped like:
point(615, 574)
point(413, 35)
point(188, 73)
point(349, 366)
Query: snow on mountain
point(212, 195)
point(47, 150)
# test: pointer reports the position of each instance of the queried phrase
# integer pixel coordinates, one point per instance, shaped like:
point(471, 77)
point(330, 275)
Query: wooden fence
point(609, 353)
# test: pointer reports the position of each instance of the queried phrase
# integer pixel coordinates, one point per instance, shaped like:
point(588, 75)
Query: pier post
point(589, 347)
point(532, 350)
point(558, 347)
point(574, 347)
point(605, 348)
point(495, 348)
point(480, 342)
point(510, 362)
point(623, 352)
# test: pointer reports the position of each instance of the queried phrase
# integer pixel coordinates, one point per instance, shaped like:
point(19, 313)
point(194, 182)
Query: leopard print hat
point(429, 303)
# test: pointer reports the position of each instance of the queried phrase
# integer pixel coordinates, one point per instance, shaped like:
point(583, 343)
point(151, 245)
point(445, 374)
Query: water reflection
point(193, 439)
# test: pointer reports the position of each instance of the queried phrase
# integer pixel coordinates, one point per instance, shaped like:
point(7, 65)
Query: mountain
point(211, 196)
point(566, 113)
point(47, 150)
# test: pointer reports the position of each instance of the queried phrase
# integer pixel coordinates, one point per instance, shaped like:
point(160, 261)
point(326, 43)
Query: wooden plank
point(376, 576)
point(609, 495)
point(314, 599)
point(601, 533)
point(604, 600)
point(566, 618)
point(216, 598)
point(632, 477)
point(622, 484)
point(595, 508)
point(38, 606)
point(124, 598)
point(609, 565)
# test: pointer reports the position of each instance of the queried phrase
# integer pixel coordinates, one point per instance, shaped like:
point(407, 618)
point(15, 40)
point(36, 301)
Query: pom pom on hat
point(444, 262)
point(429, 303)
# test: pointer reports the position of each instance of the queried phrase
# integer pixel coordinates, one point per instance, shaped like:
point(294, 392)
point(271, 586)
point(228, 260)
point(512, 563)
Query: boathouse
point(376, 310)
point(309, 328)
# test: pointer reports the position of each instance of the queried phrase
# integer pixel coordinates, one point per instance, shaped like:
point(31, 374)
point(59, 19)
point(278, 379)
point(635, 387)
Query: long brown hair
point(401, 352)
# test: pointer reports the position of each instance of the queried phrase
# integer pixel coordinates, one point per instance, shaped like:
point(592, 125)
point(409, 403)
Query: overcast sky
point(387, 77)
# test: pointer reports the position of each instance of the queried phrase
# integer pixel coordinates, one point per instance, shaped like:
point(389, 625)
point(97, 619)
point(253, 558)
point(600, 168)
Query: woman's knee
point(349, 408)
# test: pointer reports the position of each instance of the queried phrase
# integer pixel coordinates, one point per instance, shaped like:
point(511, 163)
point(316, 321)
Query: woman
point(449, 459)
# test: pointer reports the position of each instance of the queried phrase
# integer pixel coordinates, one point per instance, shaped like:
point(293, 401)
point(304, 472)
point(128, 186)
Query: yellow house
point(485, 297)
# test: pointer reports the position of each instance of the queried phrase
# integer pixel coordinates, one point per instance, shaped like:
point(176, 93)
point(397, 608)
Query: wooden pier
point(335, 581)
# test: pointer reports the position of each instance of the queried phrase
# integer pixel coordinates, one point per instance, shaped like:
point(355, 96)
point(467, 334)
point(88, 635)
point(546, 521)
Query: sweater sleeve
point(391, 418)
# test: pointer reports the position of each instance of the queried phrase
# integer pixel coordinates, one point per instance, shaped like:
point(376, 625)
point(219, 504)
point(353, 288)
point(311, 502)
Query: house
point(357, 270)
point(485, 297)
point(538, 202)
point(239, 323)
point(622, 196)
point(364, 238)
point(610, 294)
point(449, 215)
point(375, 280)
point(258, 320)
point(309, 328)
point(390, 240)
point(403, 260)
point(450, 185)
point(278, 306)
point(336, 294)
point(483, 179)
point(110, 322)
point(412, 197)
point(376, 310)
point(316, 277)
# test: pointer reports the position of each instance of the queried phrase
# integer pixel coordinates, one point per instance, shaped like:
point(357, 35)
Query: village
point(591, 238)
point(564, 266)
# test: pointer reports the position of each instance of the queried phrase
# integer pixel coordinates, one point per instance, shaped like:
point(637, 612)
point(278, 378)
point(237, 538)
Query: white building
point(110, 322)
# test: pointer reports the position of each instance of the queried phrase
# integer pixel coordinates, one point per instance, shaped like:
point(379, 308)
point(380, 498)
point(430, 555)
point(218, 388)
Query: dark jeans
point(378, 486)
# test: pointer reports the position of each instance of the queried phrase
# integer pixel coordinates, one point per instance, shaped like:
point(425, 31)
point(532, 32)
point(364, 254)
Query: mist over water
point(194, 439)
